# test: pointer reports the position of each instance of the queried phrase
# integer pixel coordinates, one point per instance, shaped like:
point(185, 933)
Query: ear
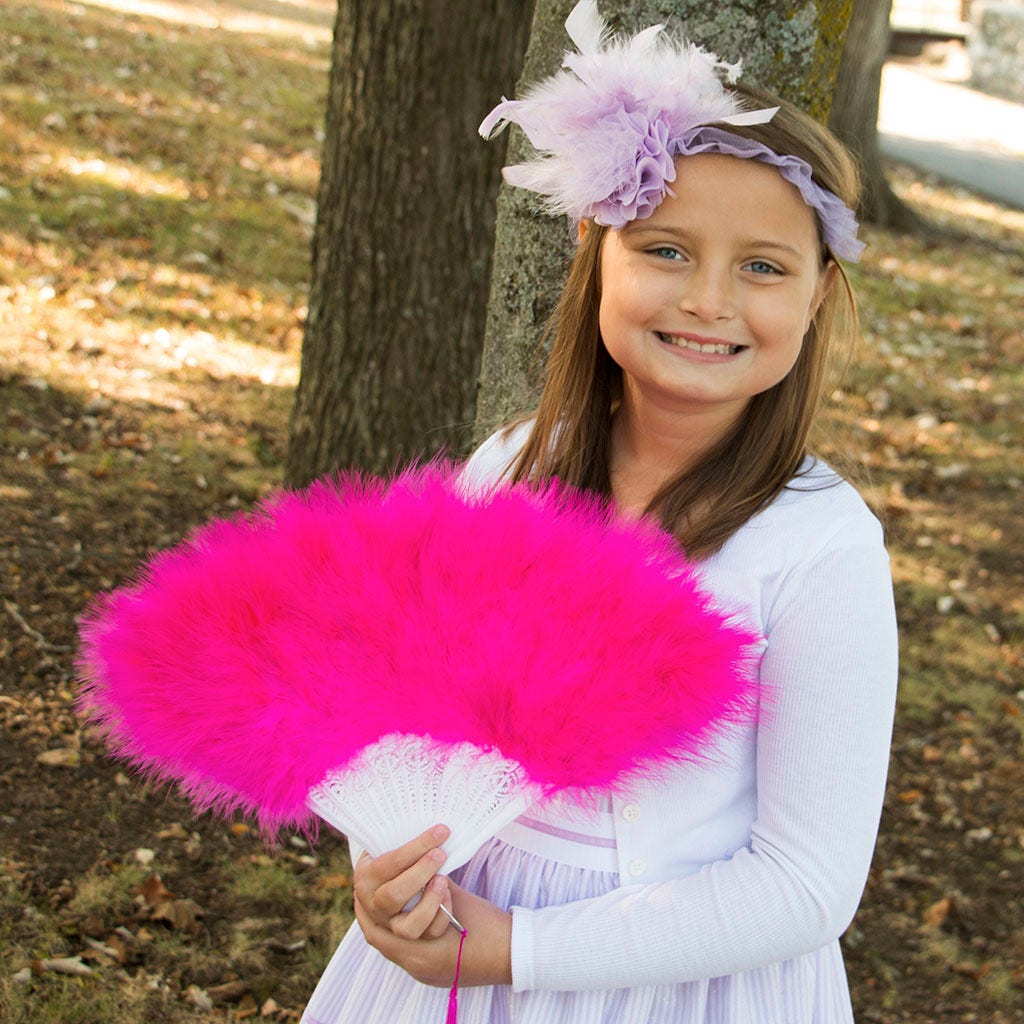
point(581, 228)
point(826, 279)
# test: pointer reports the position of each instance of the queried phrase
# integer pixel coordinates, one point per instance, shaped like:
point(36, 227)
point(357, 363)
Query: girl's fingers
point(441, 922)
point(394, 862)
point(421, 920)
point(391, 898)
point(384, 885)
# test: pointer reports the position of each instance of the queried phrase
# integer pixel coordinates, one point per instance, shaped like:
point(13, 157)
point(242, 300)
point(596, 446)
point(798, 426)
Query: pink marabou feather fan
point(267, 651)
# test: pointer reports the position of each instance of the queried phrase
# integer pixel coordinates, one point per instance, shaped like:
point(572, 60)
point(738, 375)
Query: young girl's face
point(706, 303)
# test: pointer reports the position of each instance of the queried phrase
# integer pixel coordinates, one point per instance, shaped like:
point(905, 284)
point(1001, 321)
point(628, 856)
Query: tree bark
point(854, 116)
point(791, 48)
point(404, 235)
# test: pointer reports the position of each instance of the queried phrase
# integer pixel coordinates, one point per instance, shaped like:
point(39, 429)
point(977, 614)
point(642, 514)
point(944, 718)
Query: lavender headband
point(609, 125)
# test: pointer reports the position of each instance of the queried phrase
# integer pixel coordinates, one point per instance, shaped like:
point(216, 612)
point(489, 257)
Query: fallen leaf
point(972, 970)
point(247, 1007)
point(940, 912)
point(228, 992)
point(154, 892)
point(66, 965)
point(93, 926)
point(175, 831)
point(60, 757)
point(199, 997)
point(107, 950)
point(968, 751)
point(181, 915)
point(119, 948)
point(338, 881)
point(278, 946)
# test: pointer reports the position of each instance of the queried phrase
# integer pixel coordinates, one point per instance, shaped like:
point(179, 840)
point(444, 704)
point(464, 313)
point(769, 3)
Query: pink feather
point(268, 650)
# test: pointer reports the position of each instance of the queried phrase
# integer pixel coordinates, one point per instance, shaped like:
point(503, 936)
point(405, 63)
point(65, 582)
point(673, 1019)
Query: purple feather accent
point(608, 127)
point(603, 125)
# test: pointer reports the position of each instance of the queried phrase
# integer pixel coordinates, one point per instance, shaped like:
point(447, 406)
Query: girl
point(688, 359)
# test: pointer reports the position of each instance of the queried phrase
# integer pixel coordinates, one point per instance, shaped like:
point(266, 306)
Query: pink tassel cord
point(453, 996)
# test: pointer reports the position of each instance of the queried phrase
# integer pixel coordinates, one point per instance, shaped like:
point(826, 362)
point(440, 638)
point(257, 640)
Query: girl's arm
point(821, 764)
point(822, 756)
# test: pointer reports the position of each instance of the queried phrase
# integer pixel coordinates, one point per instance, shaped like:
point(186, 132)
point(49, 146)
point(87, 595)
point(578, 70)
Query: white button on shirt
point(631, 812)
point(637, 867)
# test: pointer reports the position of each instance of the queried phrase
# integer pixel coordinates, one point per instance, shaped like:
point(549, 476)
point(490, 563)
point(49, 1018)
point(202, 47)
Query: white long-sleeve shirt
point(763, 854)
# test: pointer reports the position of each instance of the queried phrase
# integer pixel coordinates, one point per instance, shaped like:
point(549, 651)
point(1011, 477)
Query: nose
point(707, 294)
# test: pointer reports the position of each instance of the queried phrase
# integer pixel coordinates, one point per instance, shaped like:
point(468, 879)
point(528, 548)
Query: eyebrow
point(753, 243)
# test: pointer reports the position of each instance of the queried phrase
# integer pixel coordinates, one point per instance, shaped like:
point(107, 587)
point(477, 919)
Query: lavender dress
point(560, 857)
point(762, 853)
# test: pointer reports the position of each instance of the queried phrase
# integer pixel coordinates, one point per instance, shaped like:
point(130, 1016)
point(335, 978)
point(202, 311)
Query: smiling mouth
point(708, 348)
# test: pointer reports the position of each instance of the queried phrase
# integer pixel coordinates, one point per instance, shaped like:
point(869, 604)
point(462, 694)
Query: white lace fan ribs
point(421, 786)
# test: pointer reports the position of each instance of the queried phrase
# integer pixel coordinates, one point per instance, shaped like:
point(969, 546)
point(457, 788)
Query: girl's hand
point(384, 885)
point(422, 940)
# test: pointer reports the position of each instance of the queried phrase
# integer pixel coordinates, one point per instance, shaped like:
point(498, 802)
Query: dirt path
point(308, 20)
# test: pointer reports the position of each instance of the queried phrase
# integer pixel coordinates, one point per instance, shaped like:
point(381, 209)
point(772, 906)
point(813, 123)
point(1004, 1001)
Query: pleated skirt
point(360, 987)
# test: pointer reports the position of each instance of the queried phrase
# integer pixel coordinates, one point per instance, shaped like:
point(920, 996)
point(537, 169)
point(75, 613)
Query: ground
point(157, 180)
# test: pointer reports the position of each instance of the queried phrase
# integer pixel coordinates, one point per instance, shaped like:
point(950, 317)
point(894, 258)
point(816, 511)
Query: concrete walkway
point(960, 134)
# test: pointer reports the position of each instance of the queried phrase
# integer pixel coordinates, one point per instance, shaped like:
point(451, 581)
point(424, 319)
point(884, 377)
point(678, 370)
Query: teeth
point(694, 346)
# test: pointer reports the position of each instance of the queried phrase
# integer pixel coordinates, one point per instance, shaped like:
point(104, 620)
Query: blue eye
point(763, 267)
point(666, 252)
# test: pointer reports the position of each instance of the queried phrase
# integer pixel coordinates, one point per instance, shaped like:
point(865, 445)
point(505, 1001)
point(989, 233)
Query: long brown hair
point(707, 503)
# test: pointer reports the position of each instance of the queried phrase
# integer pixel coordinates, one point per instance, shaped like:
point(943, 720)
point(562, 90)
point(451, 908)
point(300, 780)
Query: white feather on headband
point(605, 125)
point(608, 127)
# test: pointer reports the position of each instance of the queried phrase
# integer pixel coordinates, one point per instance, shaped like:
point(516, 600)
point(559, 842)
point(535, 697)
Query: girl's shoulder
point(489, 463)
point(818, 524)
point(817, 510)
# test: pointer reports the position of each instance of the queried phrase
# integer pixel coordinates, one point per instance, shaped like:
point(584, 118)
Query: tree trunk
point(402, 247)
point(793, 49)
point(854, 115)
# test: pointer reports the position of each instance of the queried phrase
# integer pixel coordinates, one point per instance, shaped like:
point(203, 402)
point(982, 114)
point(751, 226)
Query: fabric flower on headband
point(608, 126)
